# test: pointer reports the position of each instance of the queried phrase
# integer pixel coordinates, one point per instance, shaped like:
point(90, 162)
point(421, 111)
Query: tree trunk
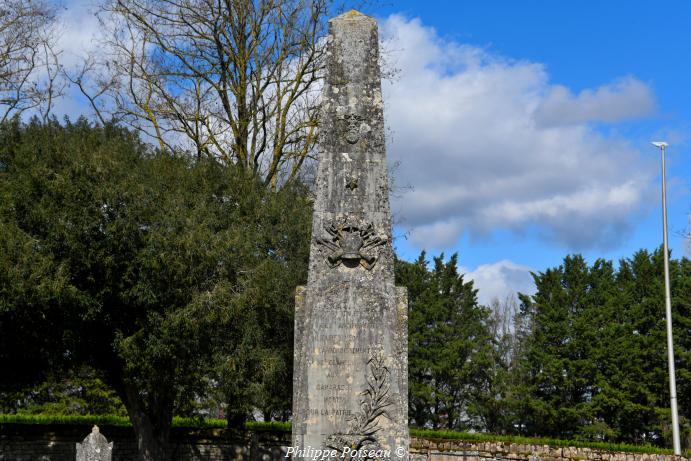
point(236, 418)
point(152, 431)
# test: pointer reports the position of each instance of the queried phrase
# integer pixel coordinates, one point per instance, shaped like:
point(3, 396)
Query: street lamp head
point(659, 144)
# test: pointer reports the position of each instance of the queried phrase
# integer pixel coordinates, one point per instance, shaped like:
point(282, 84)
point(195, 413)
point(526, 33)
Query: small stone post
point(95, 447)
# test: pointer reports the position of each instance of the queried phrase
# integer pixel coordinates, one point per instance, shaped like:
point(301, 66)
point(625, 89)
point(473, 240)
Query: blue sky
point(522, 129)
point(617, 71)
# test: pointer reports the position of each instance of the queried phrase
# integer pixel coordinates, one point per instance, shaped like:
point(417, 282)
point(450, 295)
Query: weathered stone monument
point(95, 447)
point(351, 346)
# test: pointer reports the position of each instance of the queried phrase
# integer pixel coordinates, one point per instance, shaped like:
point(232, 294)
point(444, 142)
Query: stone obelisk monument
point(351, 346)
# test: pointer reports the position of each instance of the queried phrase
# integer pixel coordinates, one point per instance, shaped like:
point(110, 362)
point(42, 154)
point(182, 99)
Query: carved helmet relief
point(351, 243)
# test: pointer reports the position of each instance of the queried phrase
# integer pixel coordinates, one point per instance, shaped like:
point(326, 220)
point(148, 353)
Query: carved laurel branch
point(364, 425)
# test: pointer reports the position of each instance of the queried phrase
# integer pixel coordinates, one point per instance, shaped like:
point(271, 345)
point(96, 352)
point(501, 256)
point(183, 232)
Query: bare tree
point(233, 79)
point(30, 76)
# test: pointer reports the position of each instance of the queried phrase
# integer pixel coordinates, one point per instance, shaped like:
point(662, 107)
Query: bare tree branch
point(30, 76)
point(235, 79)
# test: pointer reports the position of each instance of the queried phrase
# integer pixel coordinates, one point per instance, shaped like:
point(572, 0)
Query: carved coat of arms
point(353, 124)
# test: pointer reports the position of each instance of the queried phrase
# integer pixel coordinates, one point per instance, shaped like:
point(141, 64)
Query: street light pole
point(668, 309)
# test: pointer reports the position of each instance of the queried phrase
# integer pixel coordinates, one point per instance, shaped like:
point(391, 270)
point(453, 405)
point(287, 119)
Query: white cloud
point(76, 30)
point(489, 143)
point(625, 99)
point(500, 280)
point(79, 27)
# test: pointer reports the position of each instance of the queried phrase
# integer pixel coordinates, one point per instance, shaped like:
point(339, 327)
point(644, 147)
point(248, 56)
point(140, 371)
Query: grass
point(275, 426)
point(101, 420)
point(123, 421)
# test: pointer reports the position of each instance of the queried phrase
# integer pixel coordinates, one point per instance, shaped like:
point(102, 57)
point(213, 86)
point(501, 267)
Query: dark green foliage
point(169, 281)
point(584, 358)
point(450, 345)
point(595, 361)
point(171, 276)
point(75, 392)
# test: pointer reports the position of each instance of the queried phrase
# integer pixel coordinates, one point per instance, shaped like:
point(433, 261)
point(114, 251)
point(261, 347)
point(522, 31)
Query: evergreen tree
point(167, 274)
point(449, 343)
point(594, 361)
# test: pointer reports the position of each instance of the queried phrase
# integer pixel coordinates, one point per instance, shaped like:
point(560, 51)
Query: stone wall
point(19, 442)
point(455, 450)
point(33, 442)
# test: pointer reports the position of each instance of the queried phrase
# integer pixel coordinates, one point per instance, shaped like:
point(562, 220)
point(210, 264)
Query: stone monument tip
point(352, 15)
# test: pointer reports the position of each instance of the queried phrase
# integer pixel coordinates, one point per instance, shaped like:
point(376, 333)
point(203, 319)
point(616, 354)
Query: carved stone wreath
point(350, 244)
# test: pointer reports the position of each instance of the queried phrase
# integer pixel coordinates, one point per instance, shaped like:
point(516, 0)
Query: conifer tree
point(449, 343)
